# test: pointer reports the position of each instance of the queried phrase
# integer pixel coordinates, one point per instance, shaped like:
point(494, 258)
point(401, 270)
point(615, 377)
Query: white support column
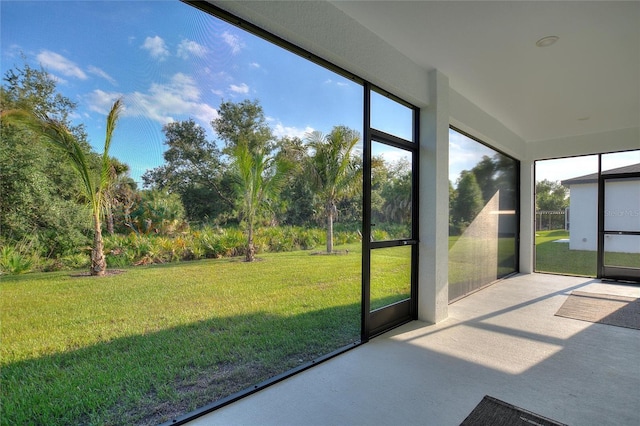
point(527, 205)
point(433, 283)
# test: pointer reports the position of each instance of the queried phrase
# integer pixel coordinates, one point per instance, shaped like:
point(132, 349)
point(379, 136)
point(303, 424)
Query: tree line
point(59, 195)
point(497, 174)
point(476, 187)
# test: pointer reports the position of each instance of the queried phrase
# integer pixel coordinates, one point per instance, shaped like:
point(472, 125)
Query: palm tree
point(258, 177)
point(95, 187)
point(332, 170)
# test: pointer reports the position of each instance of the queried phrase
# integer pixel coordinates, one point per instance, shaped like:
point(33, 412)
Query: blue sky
point(168, 61)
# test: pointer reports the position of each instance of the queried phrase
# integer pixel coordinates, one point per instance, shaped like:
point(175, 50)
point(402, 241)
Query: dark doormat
point(493, 412)
point(608, 309)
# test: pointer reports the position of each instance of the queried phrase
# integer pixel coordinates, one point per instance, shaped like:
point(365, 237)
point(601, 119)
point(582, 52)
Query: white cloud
point(101, 101)
point(59, 80)
point(100, 73)
point(280, 130)
point(233, 41)
point(59, 63)
point(254, 65)
point(157, 47)
point(13, 51)
point(164, 103)
point(464, 154)
point(336, 83)
point(189, 48)
point(242, 88)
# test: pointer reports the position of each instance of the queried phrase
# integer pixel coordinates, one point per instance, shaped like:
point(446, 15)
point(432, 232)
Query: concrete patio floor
point(503, 341)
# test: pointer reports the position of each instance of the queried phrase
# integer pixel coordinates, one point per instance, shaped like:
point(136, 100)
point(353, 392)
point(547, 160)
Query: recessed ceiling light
point(547, 41)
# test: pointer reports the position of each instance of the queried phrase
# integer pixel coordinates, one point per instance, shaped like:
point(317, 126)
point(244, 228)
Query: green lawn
point(556, 257)
point(153, 342)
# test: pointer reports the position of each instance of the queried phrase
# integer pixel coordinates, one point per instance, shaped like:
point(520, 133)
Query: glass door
point(619, 226)
point(391, 245)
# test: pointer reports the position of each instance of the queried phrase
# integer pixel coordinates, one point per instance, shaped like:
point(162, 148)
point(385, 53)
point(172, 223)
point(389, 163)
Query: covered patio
point(504, 341)
point(495, 72)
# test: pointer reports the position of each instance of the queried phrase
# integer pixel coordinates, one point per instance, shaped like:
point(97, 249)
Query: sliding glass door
point(619, 220)
point(390, 244)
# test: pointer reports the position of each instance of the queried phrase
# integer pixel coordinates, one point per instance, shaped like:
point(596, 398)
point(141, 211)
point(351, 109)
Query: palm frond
point(112, 120)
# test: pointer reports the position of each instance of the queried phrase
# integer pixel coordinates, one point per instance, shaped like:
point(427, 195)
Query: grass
point(390, 276)
point(557, 258)
point(154, 342)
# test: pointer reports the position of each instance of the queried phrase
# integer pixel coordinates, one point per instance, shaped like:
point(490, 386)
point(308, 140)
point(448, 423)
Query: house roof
point(593, 177)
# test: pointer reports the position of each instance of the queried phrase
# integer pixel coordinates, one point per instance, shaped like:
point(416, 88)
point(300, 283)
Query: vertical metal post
point(365, 329)
point(415, 215)
point(600, 257)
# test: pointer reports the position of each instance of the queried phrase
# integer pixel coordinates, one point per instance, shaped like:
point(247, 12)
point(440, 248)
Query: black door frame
point(608, 271)
point(388, 317)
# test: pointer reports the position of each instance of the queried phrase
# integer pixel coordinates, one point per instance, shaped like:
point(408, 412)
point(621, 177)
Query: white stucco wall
point(583, 217)
point(622, 213)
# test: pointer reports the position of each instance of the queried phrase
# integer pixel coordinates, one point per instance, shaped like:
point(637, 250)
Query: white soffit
point(587, 82)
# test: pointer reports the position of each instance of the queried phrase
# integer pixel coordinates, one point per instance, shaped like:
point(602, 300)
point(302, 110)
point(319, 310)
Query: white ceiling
point(588, 82)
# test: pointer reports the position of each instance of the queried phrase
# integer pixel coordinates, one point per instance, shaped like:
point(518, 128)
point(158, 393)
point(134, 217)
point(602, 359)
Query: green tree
point(551, 196)
point(39, 191)
point(485, 173)
point(259, 172)
point(296, 196)
point(243, 123)
point(95, 187)
point(397, 193)
point(193, 168)
point(118, 181)
point(379, 178)
point(125, 196)
point(333, 170)
point(453, 194)
point(259, 177)
point(468, 201)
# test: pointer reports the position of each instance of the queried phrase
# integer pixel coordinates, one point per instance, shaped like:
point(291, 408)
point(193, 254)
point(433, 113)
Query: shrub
point(310, 238)
point(13, 262)
point(275, 239)
point(75, 261)
point(207, 243)
point(119, 250)
point(234, 242)
point(379, 235)
point(159, 212)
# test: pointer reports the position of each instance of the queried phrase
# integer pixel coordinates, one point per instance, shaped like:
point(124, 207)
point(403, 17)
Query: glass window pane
point(567, 215)
point(622, 250)
point(390, 276)
point(483, 224)
point(391, 192)
point(391, 117)
point(621, 162)
point(622, 205)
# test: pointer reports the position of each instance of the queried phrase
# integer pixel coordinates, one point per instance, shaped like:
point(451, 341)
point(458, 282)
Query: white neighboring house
point(622, 211)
